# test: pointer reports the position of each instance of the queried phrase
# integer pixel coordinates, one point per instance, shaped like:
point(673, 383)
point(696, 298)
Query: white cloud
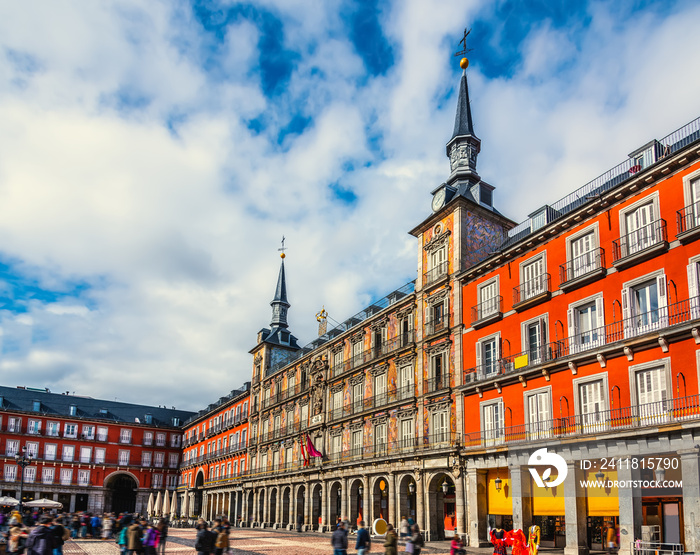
point(177, 230)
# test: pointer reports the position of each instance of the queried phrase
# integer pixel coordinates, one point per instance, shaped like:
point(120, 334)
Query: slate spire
point(463, 117)
point(280, 304)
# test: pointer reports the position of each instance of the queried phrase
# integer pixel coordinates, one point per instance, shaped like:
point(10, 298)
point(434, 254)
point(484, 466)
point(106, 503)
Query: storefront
point(499, 502)
point(548, 514)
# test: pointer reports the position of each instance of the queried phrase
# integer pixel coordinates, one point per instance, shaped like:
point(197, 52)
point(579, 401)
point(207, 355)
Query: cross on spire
point(282, 248)
point(463, 42)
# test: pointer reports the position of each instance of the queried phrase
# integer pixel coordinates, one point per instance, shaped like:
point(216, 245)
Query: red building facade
point(89, 454)
point(581, 336)
point(215, 456)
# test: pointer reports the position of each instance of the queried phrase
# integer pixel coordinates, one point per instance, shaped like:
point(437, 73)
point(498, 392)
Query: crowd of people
point(36, 533)
point(411, 538)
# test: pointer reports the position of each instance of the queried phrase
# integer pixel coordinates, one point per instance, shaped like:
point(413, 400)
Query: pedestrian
point(95, 526)
point(204, 542)
point(300, 522)
point(60, 535)
point(123, 535)
point(107, 526)
point(74, 526)
point(150, 539)
point(40, 540)
point(457, 545)
point(364, 542)
point(390, 540)
point(221, 543)
point(404, 528)
point(163, 530)
point(610, 537)
point(339, 540)
point(416, 540)
point(134, 537)
point(16, 538)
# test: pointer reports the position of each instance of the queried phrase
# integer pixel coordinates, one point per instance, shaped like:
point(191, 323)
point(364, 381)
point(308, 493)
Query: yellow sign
point(521, 361)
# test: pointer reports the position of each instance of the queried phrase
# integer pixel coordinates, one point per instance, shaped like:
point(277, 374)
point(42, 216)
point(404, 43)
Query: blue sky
point(152, 155)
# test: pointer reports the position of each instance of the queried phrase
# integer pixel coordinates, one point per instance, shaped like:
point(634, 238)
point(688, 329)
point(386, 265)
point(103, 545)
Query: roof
point(59, 404)
point(281, 290)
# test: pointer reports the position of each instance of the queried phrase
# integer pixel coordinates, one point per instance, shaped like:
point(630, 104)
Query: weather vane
point(463, 42)
point(282, 248)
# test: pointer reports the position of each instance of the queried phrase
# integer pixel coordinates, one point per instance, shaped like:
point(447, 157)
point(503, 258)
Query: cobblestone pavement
point(247, 541)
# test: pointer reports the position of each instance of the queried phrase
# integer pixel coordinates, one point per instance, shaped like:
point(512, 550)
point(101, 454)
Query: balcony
point(589, 341)
point(634, 418)
point(378, 351)
point(437, 325)
point(639, 245)
point(371, 403)
point(436, 384)
point(436, 274)
point(582, 270)
point(688, 222)
point(532, 292)
point(487, 312)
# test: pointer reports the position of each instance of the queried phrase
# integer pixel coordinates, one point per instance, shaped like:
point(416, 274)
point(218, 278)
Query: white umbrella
point(7, 501)
point(186, 506)
point(173, 506)
point(149, 506)
point(166, 504)
point(159, 504)
point(45, 503)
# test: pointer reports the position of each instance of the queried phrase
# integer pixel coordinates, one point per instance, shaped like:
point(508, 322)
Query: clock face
point(438, 200)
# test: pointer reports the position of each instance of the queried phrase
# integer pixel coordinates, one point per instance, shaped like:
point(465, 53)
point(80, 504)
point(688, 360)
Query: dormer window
point(284, 336)
point(486, 196)
point(36, 406)
point(149, 419)
point(73, 410)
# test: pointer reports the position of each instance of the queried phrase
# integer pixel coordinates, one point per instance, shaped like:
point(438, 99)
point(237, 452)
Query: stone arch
point(272, 511)
point(380, 491)
point(260, 514)
point(407, 501)
point(335, 503)
point(286, 505)
point(299, 505)
point(197, 501)
point(316, 504)
point(356, 501)
point(120, 492)
point(441, 508)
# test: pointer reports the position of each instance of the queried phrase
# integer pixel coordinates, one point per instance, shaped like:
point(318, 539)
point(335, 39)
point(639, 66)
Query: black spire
point(463, 117)
point(279, 303)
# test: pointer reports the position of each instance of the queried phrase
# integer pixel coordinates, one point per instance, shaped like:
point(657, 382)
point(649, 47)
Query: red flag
point(310, 449)
point(303, 452)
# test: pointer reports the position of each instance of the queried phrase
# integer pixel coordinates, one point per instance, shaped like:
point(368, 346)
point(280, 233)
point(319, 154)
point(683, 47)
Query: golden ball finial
point(283, 255)
point(464, 63)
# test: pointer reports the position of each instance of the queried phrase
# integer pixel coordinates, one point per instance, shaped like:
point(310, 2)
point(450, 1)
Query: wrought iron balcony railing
point(433, 275)
point(532, 289)
point(370, 403)
point(585, 341)
point(688, 219)
point(487, 310)
point(436, 384)
point(639, 240)
point(582, 266)
point(368, 355)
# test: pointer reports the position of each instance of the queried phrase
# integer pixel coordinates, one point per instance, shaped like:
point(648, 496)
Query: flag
point(310, 449)
point(303, 452)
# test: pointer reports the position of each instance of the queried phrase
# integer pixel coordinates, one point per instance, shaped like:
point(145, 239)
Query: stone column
point(690, 474)
point(521, 493)
point(344, 500)
point(365, 502)
point(230, 509)
point(204, 505)
point(630, 509)
point(458, 477)
point(72, 502)
point(293, 506)
point(420, 501)
point(392, 500)
point(575, 511)
point(256, 506)
point(308, 505)
point(476, 507)
point(324, 505)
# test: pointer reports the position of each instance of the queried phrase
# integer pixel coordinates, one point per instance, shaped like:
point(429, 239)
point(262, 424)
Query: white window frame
point(10, 473)
point(14, 424)
point(492, 301)
point(593, 230)
point(125, 436)
point(632, 328)
point(658, 412)
point(534, 289)
point(572, 320)
point(693, 271)
point(66, 476)
point(440, 435)
point(161, 439)
point(146, 458)
point(85, 454)
point(407, 440)
point(47, 455)
point(497, 437)
point(538, 429)
point(53, 428)
point(48, 474)
point(83, 478)
point(603, 424)
point(34, 426)
point(70, 430)
point(124, 457)
point(11, 447)
point(68, 453)
point(30, 474)
point(479, 352)
point(32, 449)
point(652, 198)
point(688, 180)
point(88, 431)
point(148, 438)
point(543, 320)
point(159, 459)
point(102, 433)
point(100, 454)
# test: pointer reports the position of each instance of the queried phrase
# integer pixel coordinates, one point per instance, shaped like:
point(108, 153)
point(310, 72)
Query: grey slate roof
point(16, 399)
point(463, 117)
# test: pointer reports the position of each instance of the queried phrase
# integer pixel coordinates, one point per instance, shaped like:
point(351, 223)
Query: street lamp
point(445, 487)
point(23, 461)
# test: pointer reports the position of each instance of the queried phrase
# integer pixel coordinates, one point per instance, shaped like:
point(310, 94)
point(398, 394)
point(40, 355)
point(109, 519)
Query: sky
point(153, 154)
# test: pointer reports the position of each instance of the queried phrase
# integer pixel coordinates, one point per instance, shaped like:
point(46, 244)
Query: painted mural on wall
point(481, 237)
